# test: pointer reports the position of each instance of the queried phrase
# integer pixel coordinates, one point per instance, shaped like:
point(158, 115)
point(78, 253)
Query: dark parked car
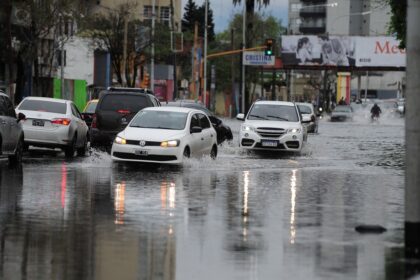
point(11, 132)
point(115, 109)
point(223, 131)
point(89, 111)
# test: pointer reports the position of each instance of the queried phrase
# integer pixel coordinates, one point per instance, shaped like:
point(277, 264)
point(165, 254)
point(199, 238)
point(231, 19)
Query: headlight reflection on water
point(293, 206)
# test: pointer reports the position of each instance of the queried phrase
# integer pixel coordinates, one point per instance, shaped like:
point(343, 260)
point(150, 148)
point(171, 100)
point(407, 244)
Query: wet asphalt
point(242, 216)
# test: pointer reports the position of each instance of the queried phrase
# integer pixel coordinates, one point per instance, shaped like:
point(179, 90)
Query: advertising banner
point(258, 58)
point(342, 51)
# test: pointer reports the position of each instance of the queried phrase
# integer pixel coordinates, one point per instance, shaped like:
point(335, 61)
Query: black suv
point(116, 107)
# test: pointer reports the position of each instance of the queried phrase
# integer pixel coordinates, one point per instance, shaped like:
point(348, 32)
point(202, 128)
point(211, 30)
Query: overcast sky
point(223, 10)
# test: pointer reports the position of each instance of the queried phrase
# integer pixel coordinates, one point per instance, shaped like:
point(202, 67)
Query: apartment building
point(143, 10)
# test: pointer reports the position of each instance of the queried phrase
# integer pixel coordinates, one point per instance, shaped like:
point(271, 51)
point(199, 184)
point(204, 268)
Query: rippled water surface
point(242, 216)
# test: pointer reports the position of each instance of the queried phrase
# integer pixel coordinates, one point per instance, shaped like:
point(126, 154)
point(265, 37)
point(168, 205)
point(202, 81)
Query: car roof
point(127, 89)
point(304, 103)
point(57, 100)
point(269, 102)
point(173, 109)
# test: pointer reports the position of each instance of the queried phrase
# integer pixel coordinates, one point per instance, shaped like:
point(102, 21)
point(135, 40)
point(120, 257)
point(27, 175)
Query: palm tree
point(250, 8)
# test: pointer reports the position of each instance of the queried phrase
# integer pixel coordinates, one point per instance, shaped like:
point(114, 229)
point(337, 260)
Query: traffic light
point(269, 47)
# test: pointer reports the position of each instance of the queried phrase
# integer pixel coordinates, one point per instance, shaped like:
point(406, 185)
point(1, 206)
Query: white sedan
point(165, 135)
point(54, 123)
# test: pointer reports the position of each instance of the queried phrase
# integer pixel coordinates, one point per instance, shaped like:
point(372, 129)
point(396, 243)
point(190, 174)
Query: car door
point(196, 145)
point(207, 134)
point(4, 126)
point(80, 125)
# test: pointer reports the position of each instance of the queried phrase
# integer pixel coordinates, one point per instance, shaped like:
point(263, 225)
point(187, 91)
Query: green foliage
point(192, 14)
point(398, 25)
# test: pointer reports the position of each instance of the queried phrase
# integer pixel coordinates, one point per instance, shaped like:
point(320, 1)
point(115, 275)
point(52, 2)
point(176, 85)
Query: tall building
point(338, 17)
point(143, 9)
point(357, 17)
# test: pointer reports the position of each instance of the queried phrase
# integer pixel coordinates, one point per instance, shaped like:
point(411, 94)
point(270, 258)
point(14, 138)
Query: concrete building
point(142, 9)
point(357, 17)
point(307, 16)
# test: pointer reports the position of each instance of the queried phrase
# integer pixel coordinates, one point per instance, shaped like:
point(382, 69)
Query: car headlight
point(120, 140)
point(247, 128)
point(170, 143)
point(294, 130)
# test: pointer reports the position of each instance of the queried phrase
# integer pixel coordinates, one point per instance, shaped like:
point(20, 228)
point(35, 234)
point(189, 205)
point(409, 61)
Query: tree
point(190, 16)
point(193, 14)
point(107, 33)
point(398, 24)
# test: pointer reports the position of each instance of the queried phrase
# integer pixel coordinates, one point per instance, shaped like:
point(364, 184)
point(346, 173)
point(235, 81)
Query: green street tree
point(398, 24)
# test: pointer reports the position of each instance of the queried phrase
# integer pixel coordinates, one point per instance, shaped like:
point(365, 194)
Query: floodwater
point(257, 216)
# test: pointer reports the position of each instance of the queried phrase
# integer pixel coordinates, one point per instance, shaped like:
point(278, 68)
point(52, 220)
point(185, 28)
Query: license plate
point(37, 122)
point(269, 143)
point(141, 152)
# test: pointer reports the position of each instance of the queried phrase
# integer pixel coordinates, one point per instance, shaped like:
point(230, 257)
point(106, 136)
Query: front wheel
point(213, 152)
point(16, 158)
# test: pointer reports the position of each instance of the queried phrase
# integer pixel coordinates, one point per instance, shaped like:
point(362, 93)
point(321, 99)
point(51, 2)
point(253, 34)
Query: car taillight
point(124, 112)
point(61, 121)
point(93, 124)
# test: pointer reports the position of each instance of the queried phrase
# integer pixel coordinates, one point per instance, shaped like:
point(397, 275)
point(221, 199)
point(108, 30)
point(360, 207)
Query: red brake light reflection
point(93, 124)
point(124, 112)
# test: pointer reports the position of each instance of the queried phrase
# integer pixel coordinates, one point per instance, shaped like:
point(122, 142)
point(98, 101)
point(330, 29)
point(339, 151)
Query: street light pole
point(242, 58)
point(205, 53)
point(152, 60)
point(62, 58)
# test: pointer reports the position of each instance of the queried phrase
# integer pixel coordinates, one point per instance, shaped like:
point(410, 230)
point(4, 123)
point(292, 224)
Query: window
point(75, 111)
point(147, 11)
point(3, 107)
point(165, 15)
point(58, 56)
point(204, 121)
point(195, 121)
point(43, 106)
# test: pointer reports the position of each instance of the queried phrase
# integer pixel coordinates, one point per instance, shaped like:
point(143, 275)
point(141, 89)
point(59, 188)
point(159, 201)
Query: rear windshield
point(43, 106)
point(91, 107)
point(346, 109)
point(116, 102)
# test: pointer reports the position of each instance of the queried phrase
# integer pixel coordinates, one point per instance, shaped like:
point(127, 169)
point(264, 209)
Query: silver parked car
point(11, 133)
point(54, 123)
point(309, 118)
point(342, 113)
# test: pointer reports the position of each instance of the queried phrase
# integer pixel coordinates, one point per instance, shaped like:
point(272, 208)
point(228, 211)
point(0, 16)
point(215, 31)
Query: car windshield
point(160, 120)
point(304, 109)
point(43, 106)
point(118, 101)
point(273, 113)
point(345, 109)
point(91, 107)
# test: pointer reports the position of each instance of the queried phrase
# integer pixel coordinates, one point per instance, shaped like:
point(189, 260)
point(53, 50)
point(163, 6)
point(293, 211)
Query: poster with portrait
point(318, 50)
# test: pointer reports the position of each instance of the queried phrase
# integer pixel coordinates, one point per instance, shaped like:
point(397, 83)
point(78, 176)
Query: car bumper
point(135, 153)
point(58, 137)
point(289, 142)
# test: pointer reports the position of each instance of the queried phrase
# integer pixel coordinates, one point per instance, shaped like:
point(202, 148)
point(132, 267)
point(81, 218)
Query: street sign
point(258, 59)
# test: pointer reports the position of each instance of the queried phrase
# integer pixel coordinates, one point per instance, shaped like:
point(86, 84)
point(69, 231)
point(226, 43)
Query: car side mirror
point(196, 129)
point(21, 117)
point(215, 121)
point(240, 117)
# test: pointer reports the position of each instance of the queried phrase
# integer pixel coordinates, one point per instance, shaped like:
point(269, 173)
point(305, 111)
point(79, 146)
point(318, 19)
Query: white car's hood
point(150, 134)
point(273, 124)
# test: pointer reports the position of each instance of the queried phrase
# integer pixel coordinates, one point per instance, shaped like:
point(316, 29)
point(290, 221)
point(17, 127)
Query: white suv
point(272, 125)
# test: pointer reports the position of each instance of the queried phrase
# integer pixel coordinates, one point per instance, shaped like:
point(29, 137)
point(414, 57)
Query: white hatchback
point(165, 135)
point(272, 125)
point(54, 123)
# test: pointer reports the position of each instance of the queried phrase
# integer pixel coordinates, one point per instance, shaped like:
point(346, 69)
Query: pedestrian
point(342, 101)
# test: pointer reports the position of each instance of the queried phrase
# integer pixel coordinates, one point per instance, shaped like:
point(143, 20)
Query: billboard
point(342, 51)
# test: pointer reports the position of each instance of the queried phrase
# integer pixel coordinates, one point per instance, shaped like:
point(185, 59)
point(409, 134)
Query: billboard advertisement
point(342, 51)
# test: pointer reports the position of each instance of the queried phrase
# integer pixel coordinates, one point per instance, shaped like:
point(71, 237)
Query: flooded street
point(257, 216)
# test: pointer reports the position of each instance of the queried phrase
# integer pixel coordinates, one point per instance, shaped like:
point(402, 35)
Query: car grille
point(139, 157)
point(247, 142)
point(137, 142)
point(270, 132)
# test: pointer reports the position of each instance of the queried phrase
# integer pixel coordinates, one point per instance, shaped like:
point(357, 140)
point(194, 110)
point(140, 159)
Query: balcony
point(313, 12)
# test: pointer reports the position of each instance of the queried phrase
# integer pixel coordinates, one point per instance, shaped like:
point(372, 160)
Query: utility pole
point(175, 95)
point(412, 134)
point(206, 3)
point(242, 59)
point(152, 61)
point(62, 58)
point(232, 97)
point(124, 72)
